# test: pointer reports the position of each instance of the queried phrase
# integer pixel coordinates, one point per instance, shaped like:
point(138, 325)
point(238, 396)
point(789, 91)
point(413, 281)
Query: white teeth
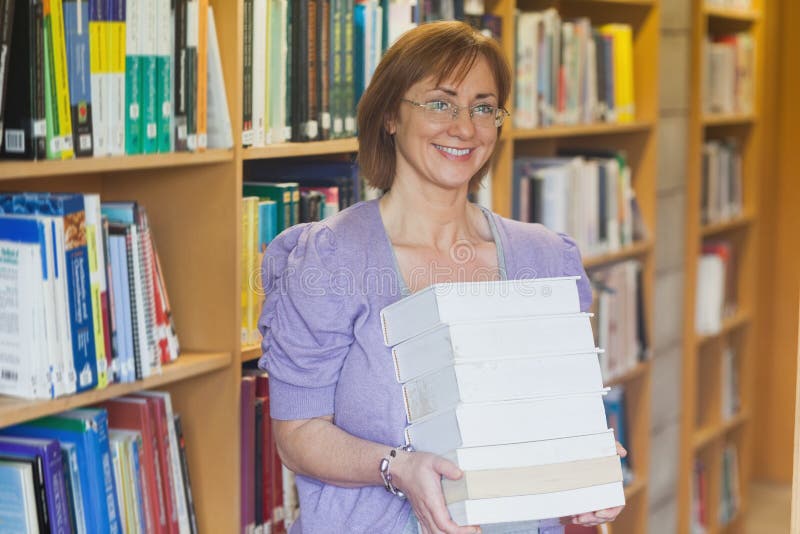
point(454, 151)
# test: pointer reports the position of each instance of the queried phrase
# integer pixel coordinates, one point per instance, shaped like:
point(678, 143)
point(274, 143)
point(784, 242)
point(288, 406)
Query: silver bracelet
point(386, 476)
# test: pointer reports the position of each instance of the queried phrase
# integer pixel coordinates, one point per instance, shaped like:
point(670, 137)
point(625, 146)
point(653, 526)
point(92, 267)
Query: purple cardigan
point(326, 284)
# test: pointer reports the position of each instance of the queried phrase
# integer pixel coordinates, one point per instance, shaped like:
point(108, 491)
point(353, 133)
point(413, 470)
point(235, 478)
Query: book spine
point(141, 369)
point(96, 283)
point(202, 75)
point(258, 62)
point(38, 50)
point(6, 24)
point(288, 55)
point(164, 76)
point(311, 45)
point(116, 76)
point(61, 78)
point(323, 67)
point(17, 139)
point(148, 291)
point(133, 77)
point(247, 76)
point(53, 145)
point(76, 24)
point(348, 98)
point(179, 82)
point(191, 73)
point(148, 49)
point(55, 485)
point(185, 473)
point(98, 60)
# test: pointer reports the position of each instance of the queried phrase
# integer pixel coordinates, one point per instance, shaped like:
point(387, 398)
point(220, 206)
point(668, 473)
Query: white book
point(709, 302)
point(536, 507)
point(542, 452)
point(259, 66)
point(451, 302)
point(24, 360)
point(517, 421)
point(501, 379)
point(532, 479)
point(140, 320)
point(483, 340)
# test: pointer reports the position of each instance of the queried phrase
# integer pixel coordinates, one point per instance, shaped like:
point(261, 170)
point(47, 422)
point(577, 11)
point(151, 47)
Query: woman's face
point(445, 154)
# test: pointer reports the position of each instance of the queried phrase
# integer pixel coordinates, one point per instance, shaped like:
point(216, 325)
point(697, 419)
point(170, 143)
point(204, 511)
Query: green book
point(147, 58)
point(50, 103)
point(282, 194)
point(164, 76)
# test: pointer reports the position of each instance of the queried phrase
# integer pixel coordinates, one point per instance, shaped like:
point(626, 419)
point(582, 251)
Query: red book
point(248, 421)
point(158, 412)
point(267, 447)
point(130, 413)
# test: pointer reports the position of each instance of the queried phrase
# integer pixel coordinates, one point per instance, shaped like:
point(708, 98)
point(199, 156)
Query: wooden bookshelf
point(703, 432)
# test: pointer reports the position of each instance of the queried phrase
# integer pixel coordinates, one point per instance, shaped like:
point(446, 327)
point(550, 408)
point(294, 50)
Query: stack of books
point(503, 378)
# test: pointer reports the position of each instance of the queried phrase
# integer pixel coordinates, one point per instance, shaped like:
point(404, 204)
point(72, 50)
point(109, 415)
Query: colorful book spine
point(54, 142)
point(98, 73)
point(61, 78)
point(247, 76)
point(133, 77)
point(76, 24)
point(97, 280)
point(148, 51)
point(190, 89)
point(116, 108)
point(164, 106)
point(179, 82)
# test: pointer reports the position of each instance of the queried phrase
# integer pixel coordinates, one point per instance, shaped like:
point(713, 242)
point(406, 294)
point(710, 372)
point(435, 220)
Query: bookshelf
point(193, 202)
point(707, 426)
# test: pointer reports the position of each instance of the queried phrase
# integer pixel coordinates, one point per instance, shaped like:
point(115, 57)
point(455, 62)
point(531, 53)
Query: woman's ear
point(389, 124)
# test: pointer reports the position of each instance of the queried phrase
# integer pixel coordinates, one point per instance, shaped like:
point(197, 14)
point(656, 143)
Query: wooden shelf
point(729, 324)
point(635, 487)
point(705, 436)
point(14, 170)
point(730, 14)
point(187, 365)
point(290, 150)
point(251, 352)
point(633, 3)
point(639, 370)
point(635, 251)
point(581, 130)
point(722, 227)
point(728, 119)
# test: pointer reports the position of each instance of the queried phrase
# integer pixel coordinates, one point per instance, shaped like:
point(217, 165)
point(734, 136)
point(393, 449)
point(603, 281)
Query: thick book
point(219, 130)
point(532, 479)
point(24, 115)
point(72, 478)
point(134, 51)
point(484, 340)
point(25, 367)
point(447, 303)
point(115, 73)
point(496, 423)
point(48, 453)
point(501, 379)
point(536, 507)
point(542, 452)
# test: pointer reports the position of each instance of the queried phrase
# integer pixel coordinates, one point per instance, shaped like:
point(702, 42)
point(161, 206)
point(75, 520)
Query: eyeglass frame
point(501, 113)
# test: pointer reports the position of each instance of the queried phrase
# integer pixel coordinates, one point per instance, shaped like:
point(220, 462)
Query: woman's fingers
point(621, 450)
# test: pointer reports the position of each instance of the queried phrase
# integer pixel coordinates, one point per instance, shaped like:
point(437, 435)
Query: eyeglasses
point(482, 115)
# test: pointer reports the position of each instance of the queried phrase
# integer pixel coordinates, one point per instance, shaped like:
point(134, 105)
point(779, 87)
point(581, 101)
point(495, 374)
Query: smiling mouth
point(453, 151)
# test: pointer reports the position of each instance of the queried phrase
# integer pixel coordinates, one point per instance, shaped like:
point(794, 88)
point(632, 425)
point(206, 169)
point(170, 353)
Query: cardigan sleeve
point(573, 265)
point(306, 328)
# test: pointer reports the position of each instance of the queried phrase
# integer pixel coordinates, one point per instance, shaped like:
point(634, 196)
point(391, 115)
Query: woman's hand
point(592, 519)
point(419, 475)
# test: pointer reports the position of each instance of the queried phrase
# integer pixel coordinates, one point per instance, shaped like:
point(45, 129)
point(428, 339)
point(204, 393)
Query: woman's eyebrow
point(451, 92)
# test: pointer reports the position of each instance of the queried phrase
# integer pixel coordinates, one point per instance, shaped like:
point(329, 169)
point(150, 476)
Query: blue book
point(76, 28)
point(18, 495)
point(69, 456)
point(49, 453)
point(70, 207)
point(122, 307)
point(267, 223)
point(100, 508)
point(360, 52)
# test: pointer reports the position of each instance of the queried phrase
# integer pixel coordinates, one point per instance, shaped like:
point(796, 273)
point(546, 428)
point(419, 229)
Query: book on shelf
point(730, 497)
point(126, 447)
point(46, 453)
point(107, 79)
point(248, 447)
point(721, 192)
point(731, 398)
point(448, 303)
point(190, 508)
point(19, 480)
point(729, 73)
point(716, 282)
point(477, 341)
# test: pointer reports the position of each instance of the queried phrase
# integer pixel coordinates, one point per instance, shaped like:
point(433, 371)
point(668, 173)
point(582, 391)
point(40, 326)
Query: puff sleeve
point(306, 328)
point(573, 265)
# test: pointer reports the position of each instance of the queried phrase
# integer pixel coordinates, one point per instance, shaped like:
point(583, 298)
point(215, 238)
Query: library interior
point(152, 150)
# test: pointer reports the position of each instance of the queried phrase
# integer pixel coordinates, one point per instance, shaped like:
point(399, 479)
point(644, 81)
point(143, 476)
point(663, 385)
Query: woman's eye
point(438, 105)
point(483, 109)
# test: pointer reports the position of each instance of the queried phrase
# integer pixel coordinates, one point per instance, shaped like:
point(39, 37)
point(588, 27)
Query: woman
point(428, 126)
